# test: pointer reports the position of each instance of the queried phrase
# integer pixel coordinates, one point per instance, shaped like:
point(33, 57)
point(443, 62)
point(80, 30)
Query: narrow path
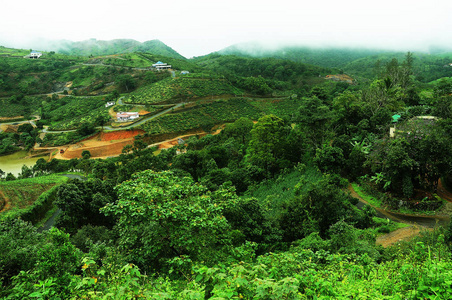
point(6, 203)
point(145, 119)
point(418, 223)
point(419, 220)
point(402, 234)
point(443, 192)
point(51, 221)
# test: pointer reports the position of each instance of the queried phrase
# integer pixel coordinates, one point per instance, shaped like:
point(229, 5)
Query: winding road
point(51, 221)
point(420, 220)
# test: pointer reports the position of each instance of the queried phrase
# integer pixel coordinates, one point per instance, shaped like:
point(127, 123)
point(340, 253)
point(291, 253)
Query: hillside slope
point(117, 46)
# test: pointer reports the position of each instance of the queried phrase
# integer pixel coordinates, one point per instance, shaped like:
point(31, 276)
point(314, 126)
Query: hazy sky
point(199, 27)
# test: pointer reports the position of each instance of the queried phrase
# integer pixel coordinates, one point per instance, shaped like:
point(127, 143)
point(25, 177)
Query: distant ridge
point(329, 57)
point(98, 47)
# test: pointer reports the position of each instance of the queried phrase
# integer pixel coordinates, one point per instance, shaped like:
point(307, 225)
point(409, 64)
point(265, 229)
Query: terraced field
point(173, 89)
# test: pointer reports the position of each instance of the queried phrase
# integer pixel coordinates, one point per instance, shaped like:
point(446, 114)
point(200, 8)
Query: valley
point(128, 171)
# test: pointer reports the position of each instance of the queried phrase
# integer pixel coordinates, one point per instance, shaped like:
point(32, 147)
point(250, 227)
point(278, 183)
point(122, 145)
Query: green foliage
point(203, 116)
point(161, 216)
point(314, 117)
point(19, 245)
point(80, 202)
point(256, 85)
point(29, 76)
point(322, 205)
point(20, 105)
point(29, 198)
point(330, 159)
point(73, 112)
point(160, 235)
point(56, 260)
point(182, 88)
point(269, 68)
point(267, 143)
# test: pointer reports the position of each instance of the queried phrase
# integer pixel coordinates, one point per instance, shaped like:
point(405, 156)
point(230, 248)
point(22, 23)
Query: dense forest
point(281, 197)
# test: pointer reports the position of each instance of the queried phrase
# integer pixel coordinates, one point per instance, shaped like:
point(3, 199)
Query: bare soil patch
point(119, 135)
point(110, 144)
point(4, 202)
point(402, 234)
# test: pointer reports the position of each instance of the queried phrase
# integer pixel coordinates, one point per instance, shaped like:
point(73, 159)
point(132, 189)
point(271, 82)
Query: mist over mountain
point(332, 57)
point(101, 47)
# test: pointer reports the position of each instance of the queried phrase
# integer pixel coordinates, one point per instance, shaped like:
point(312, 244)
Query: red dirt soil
point(110, 144)
point(119, 135)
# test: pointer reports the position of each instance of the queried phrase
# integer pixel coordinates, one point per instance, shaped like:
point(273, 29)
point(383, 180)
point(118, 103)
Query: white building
point(33, 54)
point(126, 116)
point(161, 66)
point(109, 103)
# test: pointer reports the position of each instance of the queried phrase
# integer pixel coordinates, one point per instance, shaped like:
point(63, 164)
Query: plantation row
point(203, 116)
point(222, 111)
point(70, 112)
point(19, 105)
point(184, 88)
point(23, 193)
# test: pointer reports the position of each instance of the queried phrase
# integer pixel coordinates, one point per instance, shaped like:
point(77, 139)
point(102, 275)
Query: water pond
point(13, 163)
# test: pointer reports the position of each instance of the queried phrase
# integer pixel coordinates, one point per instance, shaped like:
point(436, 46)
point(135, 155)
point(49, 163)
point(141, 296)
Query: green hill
point(207, 115)
point(326, 57)
point(97, 47)
point(184, 87)
point(4, 51)
point(356, 61)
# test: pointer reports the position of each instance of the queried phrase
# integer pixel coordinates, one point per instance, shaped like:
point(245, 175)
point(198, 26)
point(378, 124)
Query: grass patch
point(23, 192)
point(273, 193)
point(376, 202)
point(384, 226)
point(47, 216)
point(369, 199)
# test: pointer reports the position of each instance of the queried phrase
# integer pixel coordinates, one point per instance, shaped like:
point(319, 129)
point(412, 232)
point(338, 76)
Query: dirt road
point(418, 223)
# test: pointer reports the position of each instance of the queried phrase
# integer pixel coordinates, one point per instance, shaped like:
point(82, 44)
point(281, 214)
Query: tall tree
point(161, 216)
point(267, 138)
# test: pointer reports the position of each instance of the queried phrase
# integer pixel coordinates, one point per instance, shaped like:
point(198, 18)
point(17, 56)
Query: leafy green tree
point(86, 129)
point(27, 127)
point(330, 159)
point(161, 216)
point(382, 94)
point(315, 118)
point(322, 205)
point(393, 159)
point(101, 120)
point(86, 154)
point(349, 110)
point(80, 202)
point(443, 107)
point(265, 148)
point(192, 161)
point(115, 95)
point(257, 85)
point(26, 172)
point(125, 82)
point(239, 130)
point(10, 176)
point(247, 216)
point(19, 243)
point(433, 154)
point(59, 259)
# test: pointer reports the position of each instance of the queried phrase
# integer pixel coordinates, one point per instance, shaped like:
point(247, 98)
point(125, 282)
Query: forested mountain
point(97, 47)
point(329, 57)
point(355, 61)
